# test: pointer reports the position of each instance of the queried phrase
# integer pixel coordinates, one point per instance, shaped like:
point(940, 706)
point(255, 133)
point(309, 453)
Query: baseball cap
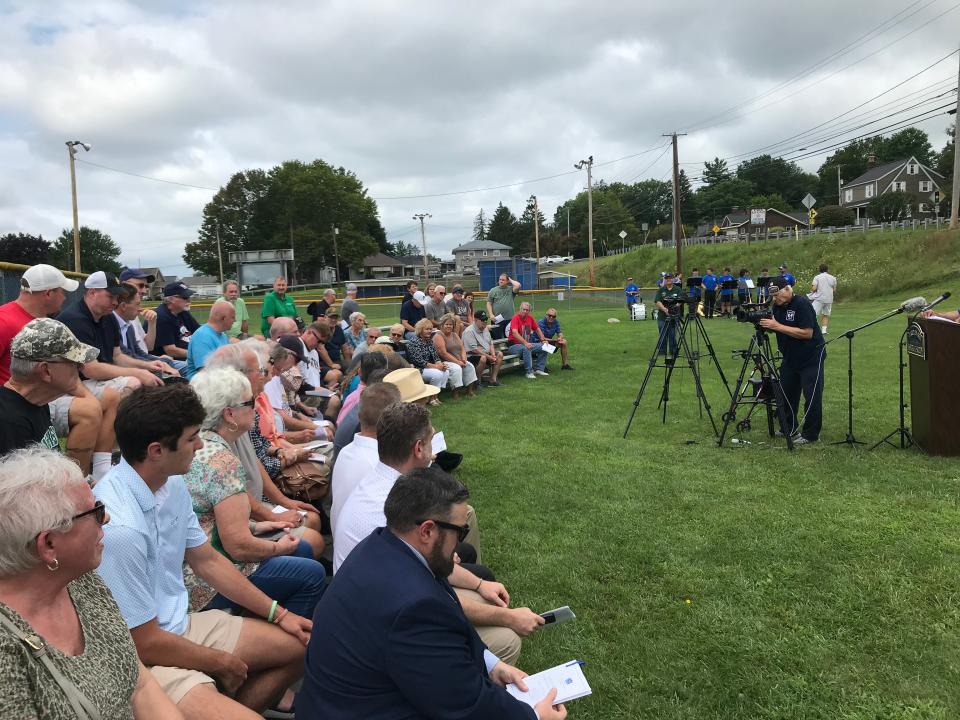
point(294, 345)
point(457, 289)
point(46, 277)
point(49, 339)
point(420, 297)
point(177, 289)
point(776, 284)
point(102, 280)
point(480, 315)
point(135, 274)
point(332, 311)
point(782, 267)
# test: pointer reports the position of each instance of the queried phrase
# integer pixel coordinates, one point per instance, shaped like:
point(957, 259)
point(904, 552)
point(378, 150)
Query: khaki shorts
point(60, 408)
point(210, 628)
point(822, 308)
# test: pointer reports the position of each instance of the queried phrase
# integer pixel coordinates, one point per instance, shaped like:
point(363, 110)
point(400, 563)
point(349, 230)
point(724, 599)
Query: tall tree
point(480, 226)
point(715, 171)
point(766, 202)
point(944, 163)
point(503, 227)
point(98, 251)
point(688, 200)
point(716, 201)
point(777, 176)
point(525, 239)
point(649, 201)
point(24, 249)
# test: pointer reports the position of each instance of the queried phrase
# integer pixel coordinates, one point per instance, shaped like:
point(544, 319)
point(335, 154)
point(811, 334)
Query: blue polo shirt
point(632, 291)
point(144, 546)
point(799, 313)
point(710, 281)
point(727, 277)
point(549, 329)
point(203, 343)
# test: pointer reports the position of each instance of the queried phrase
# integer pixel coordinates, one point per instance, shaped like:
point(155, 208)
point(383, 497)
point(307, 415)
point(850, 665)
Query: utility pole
point(536, 234)
point(676, 201)
point(219, 254)
point(336, 257)
point(423, 237)
point(588, 164)
point(72, 152)
point(839, 187)
point(568, 221)
point(955, 199)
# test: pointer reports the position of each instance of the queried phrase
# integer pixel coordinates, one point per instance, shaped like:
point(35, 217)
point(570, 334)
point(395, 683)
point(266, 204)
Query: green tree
point(24, 249)
point(909, 142)
point(771, 176)
point(834, 216)
point(480, 226)
point(766, 202)
point(402, 249)
point(503, 227)
point(944, 162)
point(98, 251)
point(715, 171)
point(648, 201)
point(891, 206)
point(525, 241)
point(688, 200)
point(718, 200)
point(609, 218)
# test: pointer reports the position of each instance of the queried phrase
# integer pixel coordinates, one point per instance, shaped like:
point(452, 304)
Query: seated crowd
point(278, 533)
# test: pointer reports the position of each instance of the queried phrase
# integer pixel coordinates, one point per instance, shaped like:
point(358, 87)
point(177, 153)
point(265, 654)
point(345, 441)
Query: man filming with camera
point(668, 302)
point(801, 344)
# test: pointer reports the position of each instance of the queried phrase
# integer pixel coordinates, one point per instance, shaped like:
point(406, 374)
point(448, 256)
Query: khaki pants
point(501, 641)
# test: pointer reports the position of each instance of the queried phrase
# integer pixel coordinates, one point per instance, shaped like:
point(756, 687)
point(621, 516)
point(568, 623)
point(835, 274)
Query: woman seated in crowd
point(49, 548)
point(422, 354)
point(356, 332)
point(449, 347)
point(277, 560)
point(376, 359)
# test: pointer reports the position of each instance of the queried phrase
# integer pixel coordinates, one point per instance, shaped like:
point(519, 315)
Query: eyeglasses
point(262, 371)
point(552, 317)
point(249, 403)
point(399, 334)
point(461, 530)
point(99, 512)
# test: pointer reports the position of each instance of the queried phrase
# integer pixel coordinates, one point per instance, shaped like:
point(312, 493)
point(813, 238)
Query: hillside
point(867, 264)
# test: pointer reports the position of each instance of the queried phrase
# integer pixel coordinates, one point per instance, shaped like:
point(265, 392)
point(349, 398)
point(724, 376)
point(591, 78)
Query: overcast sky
point(424, 98)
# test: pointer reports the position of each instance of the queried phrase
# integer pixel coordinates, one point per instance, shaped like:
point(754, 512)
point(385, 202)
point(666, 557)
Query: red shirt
point(12, 319)
point(526, 328)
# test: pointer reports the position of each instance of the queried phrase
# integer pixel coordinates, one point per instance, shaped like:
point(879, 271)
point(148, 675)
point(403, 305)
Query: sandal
point(434, 401)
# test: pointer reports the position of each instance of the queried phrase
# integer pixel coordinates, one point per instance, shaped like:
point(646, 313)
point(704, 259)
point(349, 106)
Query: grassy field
point(744, 582)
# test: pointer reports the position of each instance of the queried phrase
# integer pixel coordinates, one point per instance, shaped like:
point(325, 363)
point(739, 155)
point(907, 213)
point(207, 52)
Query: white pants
point(822, 308)
point(460, 376)
point(435, 377)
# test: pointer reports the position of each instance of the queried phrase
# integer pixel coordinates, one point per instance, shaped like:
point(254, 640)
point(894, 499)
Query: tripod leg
point(731, 414)
point(646, 378)
point(701, 395)
point(702, 330)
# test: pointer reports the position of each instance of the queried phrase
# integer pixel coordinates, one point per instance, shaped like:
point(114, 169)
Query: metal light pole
point(423, 237)
point(72, 151)
point(336, 256)
point(955, 199)
point(536, 234)
point(219, 254)
point(588, 164)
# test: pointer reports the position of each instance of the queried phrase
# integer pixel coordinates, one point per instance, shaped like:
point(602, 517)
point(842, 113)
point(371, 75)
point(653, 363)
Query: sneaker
point(801, 440)
point(540, 372)
point(531, 376)
point(566, 367)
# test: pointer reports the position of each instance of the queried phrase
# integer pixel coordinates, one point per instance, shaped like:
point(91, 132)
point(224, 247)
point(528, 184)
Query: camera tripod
point(680, 324)
point(761, 388)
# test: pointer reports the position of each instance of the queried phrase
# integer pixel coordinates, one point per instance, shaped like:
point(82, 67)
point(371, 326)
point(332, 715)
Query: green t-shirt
point(668, 296)
point(501, 300)
point(273, 306)
point(240, 308)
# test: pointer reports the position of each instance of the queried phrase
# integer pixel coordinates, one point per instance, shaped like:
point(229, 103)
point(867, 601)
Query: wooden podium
point(934, 349)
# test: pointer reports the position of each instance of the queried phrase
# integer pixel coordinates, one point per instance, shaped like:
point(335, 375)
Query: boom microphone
point(913, 304)
point(936, 302)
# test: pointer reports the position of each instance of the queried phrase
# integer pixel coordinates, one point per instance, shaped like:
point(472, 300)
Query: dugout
point(518, 268)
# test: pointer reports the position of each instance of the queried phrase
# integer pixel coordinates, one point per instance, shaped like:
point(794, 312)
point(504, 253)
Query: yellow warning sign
point(716, 229)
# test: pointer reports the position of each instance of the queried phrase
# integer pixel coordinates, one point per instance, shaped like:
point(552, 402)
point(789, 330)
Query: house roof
point(738, 219)
point(875, 173)
point(481, 245)
point(381, 260)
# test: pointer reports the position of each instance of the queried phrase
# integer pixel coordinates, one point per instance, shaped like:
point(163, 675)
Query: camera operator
point(803, 350)
point(668, 302)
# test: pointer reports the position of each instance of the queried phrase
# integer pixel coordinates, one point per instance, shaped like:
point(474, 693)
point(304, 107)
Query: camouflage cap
point(49, 339)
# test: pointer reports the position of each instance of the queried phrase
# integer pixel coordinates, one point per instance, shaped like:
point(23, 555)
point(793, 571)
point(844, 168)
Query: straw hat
point(411, 385)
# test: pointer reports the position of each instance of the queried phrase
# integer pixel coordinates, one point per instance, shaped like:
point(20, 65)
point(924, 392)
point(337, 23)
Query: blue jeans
point(533, 359)
point(295, 581)
point(671, 335)
point(179, 365)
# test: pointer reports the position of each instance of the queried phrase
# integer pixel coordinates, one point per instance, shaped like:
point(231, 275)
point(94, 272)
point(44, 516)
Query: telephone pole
point(219, 254)
point(336, 257)
point(536, 234)
point(423, 237)
point(676, 201)
point(955, 198)
point(588, 164)
point(839, 187)
point(72, 152)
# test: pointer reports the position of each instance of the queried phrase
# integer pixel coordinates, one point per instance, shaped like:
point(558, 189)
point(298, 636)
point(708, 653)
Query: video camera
point(675, 306)
point(753, 312)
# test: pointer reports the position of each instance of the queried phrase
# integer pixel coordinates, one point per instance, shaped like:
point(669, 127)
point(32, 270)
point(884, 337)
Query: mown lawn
point(743, 582)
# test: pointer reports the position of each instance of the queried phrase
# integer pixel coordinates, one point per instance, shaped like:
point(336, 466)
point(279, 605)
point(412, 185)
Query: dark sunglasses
point(99, 512)
point(552, 317)
point(248, 403)
point(461, 530)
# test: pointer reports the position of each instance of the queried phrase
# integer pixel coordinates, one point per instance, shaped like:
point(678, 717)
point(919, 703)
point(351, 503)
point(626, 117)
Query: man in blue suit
point(390, 640)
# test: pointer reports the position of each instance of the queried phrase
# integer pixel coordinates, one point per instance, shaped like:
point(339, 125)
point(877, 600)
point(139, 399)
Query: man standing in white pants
point(821, 294)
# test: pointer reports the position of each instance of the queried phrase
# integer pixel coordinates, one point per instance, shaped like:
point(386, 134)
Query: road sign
point(812, 213)
point(622, 234)
point(645, 227)
point(716, 229)
point(809, 201)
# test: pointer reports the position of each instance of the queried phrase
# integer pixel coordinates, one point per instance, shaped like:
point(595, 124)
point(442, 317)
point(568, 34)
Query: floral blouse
point(215, 475)
point(420, 352)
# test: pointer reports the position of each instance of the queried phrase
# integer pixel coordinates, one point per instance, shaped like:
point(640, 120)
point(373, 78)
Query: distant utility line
point(146, 177)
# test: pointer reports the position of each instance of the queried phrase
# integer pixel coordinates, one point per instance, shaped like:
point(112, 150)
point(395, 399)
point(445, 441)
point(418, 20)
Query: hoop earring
point(234, 428)
point(54, 566)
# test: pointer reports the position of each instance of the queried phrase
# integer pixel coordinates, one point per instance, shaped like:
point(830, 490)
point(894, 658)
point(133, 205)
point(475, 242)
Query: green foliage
point(480, 226)
point(718, 200)
point(766, 202)
point(835, 216)
point(503, 227)
point(98, 251)
point(715, 171)
point(891, 206)
point(294, 204)
point(944, 162)
point(648, 201)
point(402, 249)
point(771, 175)
point(24, 249)
point(688, 200)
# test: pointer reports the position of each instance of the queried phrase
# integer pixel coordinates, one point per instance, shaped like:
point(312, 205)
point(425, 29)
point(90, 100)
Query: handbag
point(84, 709)
point(305, 481)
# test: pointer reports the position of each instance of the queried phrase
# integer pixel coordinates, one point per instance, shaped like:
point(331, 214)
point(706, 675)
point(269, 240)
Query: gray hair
point(218, 390)
point(329, 291)
point(261, 348)
point(228, 283)
point(22, 368)
point(524, 305)
point(33, 498)
point(355, 315)
point(229, 357)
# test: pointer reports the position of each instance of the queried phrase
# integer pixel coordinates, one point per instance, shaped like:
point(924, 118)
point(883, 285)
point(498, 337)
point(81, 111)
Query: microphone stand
point(850, 439)
point(906, 439)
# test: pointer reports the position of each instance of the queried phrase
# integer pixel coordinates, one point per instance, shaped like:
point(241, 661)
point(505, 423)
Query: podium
point(934, 349)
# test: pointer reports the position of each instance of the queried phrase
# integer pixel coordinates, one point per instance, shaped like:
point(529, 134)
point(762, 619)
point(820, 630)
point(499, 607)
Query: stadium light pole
point(72, 152)
point(423, 238)
point(588, 164)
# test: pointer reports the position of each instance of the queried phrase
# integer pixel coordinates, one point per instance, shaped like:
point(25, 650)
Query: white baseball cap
point(46, 277)
point(420, 297)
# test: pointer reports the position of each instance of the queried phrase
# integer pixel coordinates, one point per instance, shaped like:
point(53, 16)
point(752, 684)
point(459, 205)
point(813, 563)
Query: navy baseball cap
point(135, 274)
point(177, 289)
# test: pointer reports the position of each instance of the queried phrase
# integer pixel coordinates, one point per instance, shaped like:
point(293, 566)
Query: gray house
point(467, 256)
point(905, 175)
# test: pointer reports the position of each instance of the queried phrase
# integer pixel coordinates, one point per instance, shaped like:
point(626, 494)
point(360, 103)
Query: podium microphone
point(912, 305)
point(935, 302)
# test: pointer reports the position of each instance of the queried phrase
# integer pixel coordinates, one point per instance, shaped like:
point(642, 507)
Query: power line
point(146, 177)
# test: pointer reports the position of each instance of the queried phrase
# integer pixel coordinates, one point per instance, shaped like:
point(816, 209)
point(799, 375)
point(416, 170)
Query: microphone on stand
point(912, 305)
point(935, 302)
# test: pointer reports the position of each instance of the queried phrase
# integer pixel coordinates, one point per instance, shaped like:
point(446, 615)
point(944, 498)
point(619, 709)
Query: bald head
point(221, 316)
point(282, 326)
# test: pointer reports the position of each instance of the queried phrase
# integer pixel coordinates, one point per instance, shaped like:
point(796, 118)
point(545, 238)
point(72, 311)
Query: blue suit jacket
point(391, 642)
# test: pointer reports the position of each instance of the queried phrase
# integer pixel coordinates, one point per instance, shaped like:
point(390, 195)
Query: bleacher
point(509, 361)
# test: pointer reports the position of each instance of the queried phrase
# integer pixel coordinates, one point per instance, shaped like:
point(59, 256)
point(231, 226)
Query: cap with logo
point(135, 274)
point(177, 289)
point(420, 297)
point(480, 315)
point(46, 277)
point(102, 280)
point(294, 345)
point(49, 339)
